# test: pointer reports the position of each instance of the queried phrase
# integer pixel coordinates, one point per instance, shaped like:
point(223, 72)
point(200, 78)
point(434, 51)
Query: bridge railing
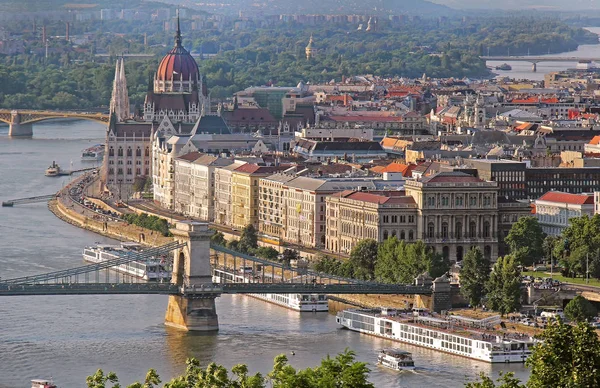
point(336, 288)
point(68, 275)
point(304, 271)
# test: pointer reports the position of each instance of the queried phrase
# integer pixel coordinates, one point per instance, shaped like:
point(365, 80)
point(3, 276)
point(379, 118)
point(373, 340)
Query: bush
point(149, 222)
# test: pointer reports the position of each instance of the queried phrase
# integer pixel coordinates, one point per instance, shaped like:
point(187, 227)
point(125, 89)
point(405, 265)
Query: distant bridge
point(534, 60)
point(20, 121)
point(192, 291)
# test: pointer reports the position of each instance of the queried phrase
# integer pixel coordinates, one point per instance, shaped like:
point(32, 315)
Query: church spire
point(178, 33)
point(119, 102)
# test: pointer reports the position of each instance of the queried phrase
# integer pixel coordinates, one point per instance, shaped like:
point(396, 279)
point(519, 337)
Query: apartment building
point(355, 215)
point(554, 209)
point(223, 199)
point(195, 184)
point(244, 193)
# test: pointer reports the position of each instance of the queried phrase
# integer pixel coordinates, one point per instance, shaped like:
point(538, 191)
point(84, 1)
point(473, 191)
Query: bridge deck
point(212, 290)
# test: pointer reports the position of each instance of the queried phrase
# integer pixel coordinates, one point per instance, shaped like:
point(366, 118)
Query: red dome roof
point(178, 63)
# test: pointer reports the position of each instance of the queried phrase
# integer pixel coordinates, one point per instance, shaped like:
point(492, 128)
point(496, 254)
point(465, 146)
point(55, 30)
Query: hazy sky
point(520, 4)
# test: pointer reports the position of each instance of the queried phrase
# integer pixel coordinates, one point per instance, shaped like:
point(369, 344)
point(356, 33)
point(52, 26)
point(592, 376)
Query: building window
point(394, 219)
point(147, 151)
point(430, 230)
point(120, 152)
point(444, 230)
point(458, 230)
point(445, 201)
point(411, 219)
point(473, 201)
point(386, 219)
point(431, 201)
point(138, 152)
point(486, 229)
point(111, 151)
point(129, 152)
point(472, 229)
point(410, 235)
point(459, 201)
point(402, 219)
point(385, 235)
point(402, 235)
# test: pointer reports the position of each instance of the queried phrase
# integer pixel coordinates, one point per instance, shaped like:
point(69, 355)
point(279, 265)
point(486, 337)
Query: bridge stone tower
point(16, 129)
point(191, 269)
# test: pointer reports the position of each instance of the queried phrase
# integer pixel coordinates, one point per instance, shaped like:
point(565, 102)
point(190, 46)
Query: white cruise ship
point(94, 153)
point(296, 302)
point(155, 269)
point(459, 336)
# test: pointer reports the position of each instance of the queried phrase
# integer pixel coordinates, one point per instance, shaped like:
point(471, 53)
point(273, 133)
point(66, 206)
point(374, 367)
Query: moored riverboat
point(154, 269)
point(53, 170)
point(457, 335)
point(92, 154)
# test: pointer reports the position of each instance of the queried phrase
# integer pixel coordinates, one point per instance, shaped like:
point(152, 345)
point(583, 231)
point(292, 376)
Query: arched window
point(394, 233)
point(111, 151)
point(402, 235)
point(446, 252)
point(486, 229)
point(138, 152)
point(120, 152)
point(147, 151)
point(472, 229)
point(444, 230)
point(411, 235)
point(129, 152)
point(458, 230)
point(385, 234)
point(459, 253)
point(487, 252)
point(430, 230)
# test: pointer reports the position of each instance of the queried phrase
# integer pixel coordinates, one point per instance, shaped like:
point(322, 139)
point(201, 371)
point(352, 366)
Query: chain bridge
point(197, 279)
point(20, 121)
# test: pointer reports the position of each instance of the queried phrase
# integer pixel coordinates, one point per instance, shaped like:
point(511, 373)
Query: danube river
point(70, 337)
point(522, 70)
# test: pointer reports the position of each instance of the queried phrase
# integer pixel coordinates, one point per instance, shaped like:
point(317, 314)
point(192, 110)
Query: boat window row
point(417, 338)
point(359, 318)
point(456, 347)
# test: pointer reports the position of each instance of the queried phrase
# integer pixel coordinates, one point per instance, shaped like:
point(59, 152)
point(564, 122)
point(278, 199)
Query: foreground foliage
point(474, 274)
point(343, 371)
point(149, 222)
point(567, 357)
point(504, 286)
point(392, 261)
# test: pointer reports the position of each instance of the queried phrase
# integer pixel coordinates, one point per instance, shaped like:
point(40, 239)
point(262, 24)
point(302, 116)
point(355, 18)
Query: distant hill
point(522, 4)
point(369, 7)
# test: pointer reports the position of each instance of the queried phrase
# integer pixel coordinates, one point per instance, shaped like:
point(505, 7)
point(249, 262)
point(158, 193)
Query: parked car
point(540, 268)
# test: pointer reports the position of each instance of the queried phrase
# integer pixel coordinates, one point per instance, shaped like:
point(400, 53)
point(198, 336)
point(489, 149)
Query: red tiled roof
point(191, 156)
point(574, 199)
point(395, 167)
point(595, 140)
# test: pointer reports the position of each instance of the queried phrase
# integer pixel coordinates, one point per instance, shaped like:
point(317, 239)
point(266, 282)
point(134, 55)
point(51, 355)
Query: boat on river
point(297, 302)
point(154, 269)
point(53, 170)
point(504, 66)
point(42, 383)
point(395, 359)
point(457, 335)
point(93, 154)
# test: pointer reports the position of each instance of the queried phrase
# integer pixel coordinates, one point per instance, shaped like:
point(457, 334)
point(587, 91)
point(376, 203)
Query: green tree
point(504, 286)
point(248, 239)
point(363, 258)
point(233, 245)
point(343, 371)
point(567, 356)
point(218, 238)
point(289, 255)
point(506, 380)
point(99, 380)
point(267, 253)
point(580, 309)
point(474, 274)
point(525, 240)
point(399, 262)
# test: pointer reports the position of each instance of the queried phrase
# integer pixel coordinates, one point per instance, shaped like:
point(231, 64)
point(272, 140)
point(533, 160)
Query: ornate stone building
point(175, 104)
point(450, 211)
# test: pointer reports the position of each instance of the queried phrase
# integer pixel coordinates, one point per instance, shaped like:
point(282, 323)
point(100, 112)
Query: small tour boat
point(504, 66)
point(42, 383)
point(53, 170)
point(396, 359)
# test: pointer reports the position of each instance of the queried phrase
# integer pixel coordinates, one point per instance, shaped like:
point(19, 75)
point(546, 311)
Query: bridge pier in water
point(192, 269)
point(17, 129)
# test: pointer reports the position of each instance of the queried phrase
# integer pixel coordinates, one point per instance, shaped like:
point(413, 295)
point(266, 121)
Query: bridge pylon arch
point(192, 270)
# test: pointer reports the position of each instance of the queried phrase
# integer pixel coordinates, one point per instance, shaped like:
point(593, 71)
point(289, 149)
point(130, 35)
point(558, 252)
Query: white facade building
point(554, 209)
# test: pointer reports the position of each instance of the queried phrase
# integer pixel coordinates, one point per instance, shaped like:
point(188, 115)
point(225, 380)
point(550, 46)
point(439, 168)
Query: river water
point(522, 70)
point(70, 337)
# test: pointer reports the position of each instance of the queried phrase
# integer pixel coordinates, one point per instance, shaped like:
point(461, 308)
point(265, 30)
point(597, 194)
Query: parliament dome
point(178, 64)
